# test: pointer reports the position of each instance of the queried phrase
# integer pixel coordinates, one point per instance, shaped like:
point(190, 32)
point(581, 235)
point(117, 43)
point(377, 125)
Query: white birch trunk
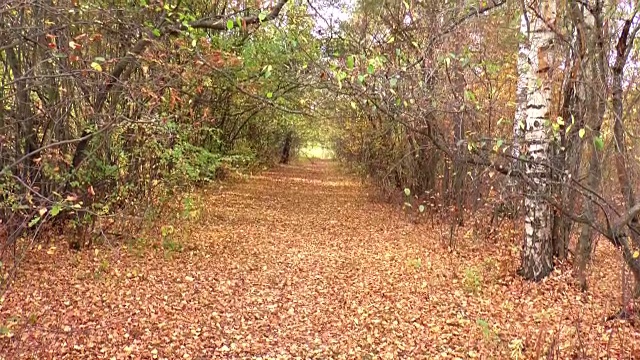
point(521, 93)
point(537, 252)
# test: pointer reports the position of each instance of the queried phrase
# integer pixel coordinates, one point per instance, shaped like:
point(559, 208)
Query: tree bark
point(25, 112)
point(537, 253)
point(594, 89)
point(286, 148)
point(623, 47)
point(521, 100)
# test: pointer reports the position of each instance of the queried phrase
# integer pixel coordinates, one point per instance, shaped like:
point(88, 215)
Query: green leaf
point(55, 210)
point(267, 71)
point(34, 221)
point(262, 16)
point(599, 142)
point(269, 95)
point(350, 62)
point(581, 133)
point(156, 32)
point(361, 78)
point(393, 82)
point(100, 59)
point(469, 95)
point(370, 69)
point(421, 208)
point(229, 24)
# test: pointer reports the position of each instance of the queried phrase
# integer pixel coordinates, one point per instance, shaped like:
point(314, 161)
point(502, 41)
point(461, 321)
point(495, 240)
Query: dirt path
point(298, 262)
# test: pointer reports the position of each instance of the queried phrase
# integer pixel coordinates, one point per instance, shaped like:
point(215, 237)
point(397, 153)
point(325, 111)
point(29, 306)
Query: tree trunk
point(460, 167)
point(621, 156)
point(26, 124)
point(537, 253)
point(593, 86)
point(286, 149)
point(521, 102)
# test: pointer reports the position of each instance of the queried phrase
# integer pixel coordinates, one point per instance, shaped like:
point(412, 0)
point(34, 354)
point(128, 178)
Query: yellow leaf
point(95, 66)
point(636, 254)
point(42, 211)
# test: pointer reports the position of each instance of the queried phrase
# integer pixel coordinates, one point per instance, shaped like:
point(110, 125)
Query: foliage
point(110, 107)
point(425, 96)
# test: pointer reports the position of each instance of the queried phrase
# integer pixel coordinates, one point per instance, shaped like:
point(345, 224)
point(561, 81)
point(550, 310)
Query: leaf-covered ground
point(301, 262)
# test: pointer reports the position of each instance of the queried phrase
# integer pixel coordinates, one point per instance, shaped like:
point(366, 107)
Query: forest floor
point(300, 261)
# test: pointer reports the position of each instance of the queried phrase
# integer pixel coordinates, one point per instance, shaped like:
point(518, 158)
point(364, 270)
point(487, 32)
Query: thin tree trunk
point(23, 109)
point(286, 148)
point(459, 167)
point(622, 49)
point(590, 23)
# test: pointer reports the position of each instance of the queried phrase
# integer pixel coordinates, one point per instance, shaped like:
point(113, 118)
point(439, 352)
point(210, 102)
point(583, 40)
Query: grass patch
point(472, 280)
point(415, 263)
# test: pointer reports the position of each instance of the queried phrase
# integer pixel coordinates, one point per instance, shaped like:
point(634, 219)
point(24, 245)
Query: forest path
point(297, 261)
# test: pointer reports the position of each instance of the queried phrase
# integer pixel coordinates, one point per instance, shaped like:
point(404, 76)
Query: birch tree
point(521, 94)
point(537, 252)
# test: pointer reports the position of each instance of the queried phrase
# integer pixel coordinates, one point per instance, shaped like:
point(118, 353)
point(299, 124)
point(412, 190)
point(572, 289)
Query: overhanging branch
point(221, 24)
point(115, 76)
